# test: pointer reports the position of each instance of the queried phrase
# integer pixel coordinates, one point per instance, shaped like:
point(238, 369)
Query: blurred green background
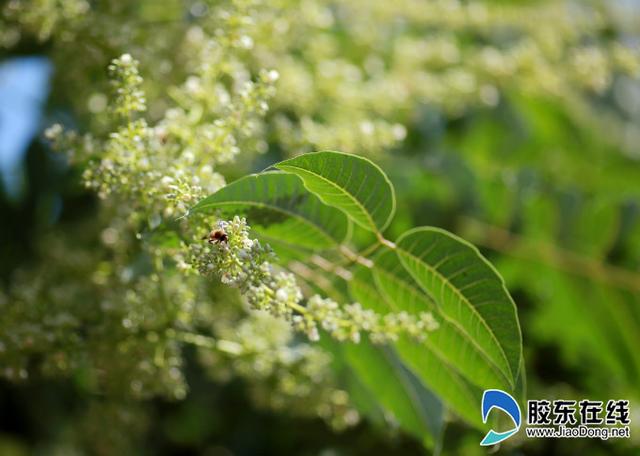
point(513, 124)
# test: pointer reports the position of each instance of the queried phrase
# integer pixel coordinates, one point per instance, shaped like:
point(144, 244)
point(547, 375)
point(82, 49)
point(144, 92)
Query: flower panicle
point(246, 264)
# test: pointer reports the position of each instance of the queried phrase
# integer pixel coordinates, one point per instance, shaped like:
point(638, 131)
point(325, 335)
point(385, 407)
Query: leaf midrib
point(465, 300)
point(342, 189)
point(457, 377)
point(494, 367)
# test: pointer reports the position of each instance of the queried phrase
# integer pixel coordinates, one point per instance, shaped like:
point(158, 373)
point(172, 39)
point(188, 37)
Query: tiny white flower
point(273, 75)
point(282, 295)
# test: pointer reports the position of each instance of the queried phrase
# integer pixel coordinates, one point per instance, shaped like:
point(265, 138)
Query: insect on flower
point(217, 236)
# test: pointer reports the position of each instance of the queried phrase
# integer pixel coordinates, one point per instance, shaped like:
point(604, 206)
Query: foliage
point(438, 273)
point(512, 124)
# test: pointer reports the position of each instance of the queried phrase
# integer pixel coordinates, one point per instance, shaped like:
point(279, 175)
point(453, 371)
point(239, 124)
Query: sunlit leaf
point(351, 183)
point(279, 207)
point(468, 292)
point(450, 342)
point(425, 362)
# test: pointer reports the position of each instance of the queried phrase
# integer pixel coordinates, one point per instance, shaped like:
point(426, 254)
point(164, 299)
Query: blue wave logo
point(494, 398)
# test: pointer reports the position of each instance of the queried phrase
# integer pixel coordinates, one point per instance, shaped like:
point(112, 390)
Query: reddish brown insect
point(218, 236)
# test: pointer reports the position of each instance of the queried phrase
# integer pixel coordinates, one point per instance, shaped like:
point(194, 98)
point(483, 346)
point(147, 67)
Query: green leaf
point(280, 207)
point(448, 342)
point(416, 409)
point(422, 359)
point(468, 291)
point(351, 183)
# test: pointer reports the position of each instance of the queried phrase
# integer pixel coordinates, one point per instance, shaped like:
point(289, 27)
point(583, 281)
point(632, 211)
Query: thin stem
point(361, 257)
point(355, 258)
point(511, 244)
point(328, 266)
point(370, 250)
point(385, 242)
point(200, 340)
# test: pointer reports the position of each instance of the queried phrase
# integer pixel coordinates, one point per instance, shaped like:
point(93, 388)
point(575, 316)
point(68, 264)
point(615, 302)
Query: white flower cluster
point(84, 315)
point(173, 161)
point(127, 86)
point(42, 18)
point(450, 55)
point(244, 263)
point(124, 328)
point(349, 321)
point(280, 373)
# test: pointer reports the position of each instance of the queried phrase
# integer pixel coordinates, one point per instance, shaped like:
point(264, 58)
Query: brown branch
point(503, 241)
